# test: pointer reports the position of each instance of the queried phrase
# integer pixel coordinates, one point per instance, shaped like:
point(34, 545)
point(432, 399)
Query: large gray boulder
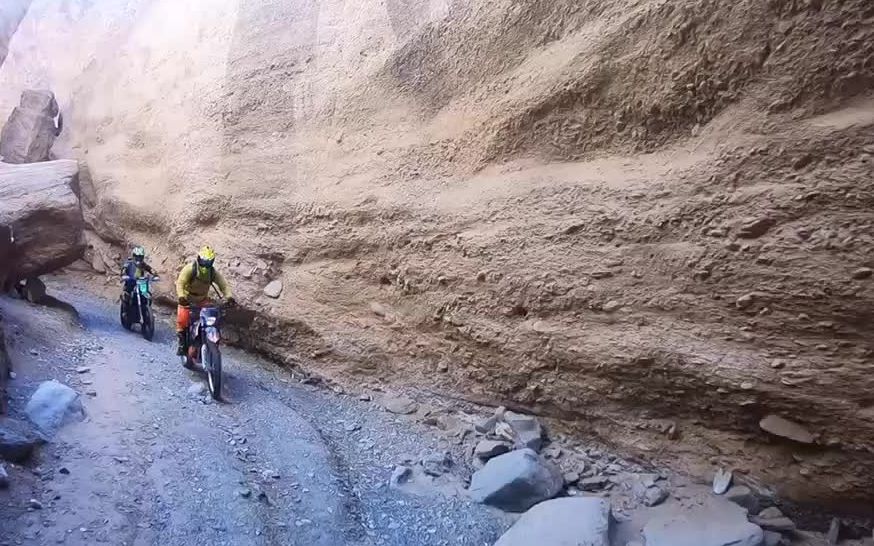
point(572, 521)
point(30, 132)
point(39, 203)
point(516, 481)
point(717, 523)
point(52, 406)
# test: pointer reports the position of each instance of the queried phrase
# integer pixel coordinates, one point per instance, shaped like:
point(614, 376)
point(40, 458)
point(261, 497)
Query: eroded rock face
point(31, 130)
point(39, 204)
point(511, 271)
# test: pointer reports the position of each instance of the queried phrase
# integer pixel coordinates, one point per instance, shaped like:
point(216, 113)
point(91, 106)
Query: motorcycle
point(137, 309)
point(204, 337)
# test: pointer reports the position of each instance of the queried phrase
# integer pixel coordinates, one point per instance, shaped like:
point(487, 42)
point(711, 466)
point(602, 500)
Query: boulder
point(718, 523)
point(39, 204)
point(572, 521)
point(31, 130)
point(527, 431)
point(17, 441)
point(52, 406)
point(516, 481)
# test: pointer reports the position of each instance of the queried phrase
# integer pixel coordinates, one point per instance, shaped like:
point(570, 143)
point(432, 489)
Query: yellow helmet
point(206, 256)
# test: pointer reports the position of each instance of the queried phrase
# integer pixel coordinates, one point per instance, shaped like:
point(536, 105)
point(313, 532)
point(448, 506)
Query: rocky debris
point(516, 481)
point(400, 475)
point(273, 289)
point(712, 524)
point(245, 493)
point(594, 483)
point(654, 495)
point(400, 405)
point(17, 441)
point(30, 132)
point(34, 504)
point(772, 519)
point(488, 449)
point(527, 431)
point(722, 481)
point(552, 452)
point(571, 477)
point(756, 227)
point(487, 425)
point(784, 428)
point(436, 464)
point(863, 273)
point(4, 477)
point(38, 201)
point(53, 405)
point(83, 369)
point(743, 496)
point(562, 522)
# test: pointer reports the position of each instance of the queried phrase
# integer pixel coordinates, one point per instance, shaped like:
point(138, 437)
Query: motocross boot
point(181, 345)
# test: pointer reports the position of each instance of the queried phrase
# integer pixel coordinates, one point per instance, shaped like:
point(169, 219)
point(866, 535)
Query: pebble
point(722, 481)
point(400, 475)
point(745, 301)
point(83, 369)
point(34, 504)
point(245, 493)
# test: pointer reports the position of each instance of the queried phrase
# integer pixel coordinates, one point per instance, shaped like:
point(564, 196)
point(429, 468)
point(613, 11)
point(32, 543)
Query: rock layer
point(461, 187)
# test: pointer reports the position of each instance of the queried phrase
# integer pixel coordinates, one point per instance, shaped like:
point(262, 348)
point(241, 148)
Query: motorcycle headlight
point(210, 321)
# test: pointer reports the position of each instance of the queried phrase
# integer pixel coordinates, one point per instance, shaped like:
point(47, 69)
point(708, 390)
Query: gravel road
point(156, 461)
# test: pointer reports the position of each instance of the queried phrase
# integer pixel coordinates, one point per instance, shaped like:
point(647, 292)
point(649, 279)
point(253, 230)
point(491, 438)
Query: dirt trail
point(154, 463)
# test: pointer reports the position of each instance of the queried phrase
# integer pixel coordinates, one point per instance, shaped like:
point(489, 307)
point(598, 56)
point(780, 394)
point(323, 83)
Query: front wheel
point(124, 316)
point(211, 358)
point(148, 324)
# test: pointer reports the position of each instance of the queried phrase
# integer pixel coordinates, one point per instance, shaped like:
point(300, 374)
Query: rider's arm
point(222, 284)
point(182, 281)
point(148, 269)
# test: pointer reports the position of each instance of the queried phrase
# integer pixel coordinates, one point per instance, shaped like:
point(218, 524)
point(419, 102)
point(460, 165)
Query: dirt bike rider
point(133, 268)
point(192, 288)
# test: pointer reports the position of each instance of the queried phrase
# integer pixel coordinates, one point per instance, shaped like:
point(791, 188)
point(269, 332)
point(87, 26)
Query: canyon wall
point(647, 219)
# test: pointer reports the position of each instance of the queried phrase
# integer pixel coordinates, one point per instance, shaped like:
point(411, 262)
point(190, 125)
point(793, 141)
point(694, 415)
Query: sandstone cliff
point(648, 219)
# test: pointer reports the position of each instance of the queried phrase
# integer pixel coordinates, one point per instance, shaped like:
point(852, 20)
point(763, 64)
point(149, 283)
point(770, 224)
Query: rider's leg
point(182, 318)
